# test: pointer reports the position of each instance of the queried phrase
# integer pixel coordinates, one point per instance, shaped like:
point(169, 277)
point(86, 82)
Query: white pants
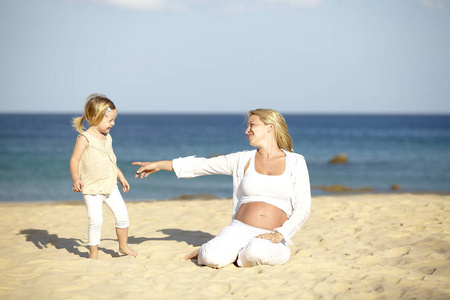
point(94, 205)
point(237, 240)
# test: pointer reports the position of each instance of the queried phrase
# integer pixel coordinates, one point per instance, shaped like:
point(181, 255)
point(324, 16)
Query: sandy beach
point(369, 246)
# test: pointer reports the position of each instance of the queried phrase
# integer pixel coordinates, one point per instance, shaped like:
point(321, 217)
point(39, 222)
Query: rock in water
point(396, 187)
point(339, 159)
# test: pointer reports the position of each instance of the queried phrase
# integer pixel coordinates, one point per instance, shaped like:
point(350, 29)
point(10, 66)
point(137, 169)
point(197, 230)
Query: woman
point(271, 194)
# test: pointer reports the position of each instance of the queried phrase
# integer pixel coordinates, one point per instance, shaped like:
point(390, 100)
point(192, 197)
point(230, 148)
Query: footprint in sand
point(399, 251)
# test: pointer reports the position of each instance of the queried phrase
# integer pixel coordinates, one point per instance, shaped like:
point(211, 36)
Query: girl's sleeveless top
point(97, 168)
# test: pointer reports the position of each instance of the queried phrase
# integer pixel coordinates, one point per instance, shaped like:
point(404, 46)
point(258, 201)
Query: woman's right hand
point(146, 168)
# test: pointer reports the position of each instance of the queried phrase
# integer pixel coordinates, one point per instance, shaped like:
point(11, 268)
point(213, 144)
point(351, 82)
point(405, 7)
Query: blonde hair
point(270, 116)
point(94, 111)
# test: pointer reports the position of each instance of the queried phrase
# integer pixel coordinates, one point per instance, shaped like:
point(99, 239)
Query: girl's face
point(256, 131)
point(108, 122)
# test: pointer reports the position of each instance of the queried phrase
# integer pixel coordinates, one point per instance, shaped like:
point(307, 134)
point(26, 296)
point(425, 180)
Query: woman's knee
point(213, 257)
point(255, 253)
point(263, 252)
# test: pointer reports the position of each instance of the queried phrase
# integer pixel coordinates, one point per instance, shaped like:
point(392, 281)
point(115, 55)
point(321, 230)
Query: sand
point(370, 246)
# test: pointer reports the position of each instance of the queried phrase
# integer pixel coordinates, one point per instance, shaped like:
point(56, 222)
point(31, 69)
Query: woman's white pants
point(237, 242)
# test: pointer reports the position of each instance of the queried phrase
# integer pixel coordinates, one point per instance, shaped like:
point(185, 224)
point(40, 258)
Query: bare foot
point(128, 251)
point(192, 255)
point(93, 252)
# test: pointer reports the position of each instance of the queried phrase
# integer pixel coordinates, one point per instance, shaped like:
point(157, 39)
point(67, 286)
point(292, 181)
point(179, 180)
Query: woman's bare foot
point(127, 251)
point(192, 255)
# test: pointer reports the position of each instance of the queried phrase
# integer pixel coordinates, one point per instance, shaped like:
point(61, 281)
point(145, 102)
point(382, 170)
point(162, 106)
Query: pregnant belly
point(261, 215)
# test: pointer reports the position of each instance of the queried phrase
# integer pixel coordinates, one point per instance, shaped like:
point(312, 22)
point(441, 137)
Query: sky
point(226, 56)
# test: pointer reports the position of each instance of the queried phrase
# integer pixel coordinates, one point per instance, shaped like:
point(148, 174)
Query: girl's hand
point(275, 237)
point(77, 186)
point(124, 183)
point(146, 168)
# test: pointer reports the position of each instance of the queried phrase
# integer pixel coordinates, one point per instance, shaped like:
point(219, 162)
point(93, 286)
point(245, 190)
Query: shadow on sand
point(43, 239)
point(194, 238)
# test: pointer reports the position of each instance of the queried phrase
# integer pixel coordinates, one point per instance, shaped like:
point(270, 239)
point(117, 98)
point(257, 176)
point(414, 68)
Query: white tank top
point(272, 189)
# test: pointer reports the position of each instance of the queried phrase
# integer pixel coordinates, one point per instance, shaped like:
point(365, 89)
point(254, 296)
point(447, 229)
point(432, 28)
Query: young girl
point(94, 172)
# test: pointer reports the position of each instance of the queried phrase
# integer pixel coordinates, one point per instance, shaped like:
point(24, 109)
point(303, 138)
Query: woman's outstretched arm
point(148, 168)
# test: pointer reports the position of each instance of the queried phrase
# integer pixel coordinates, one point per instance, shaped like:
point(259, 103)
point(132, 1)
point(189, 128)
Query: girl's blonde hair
point(96, 107)
point(270, 116)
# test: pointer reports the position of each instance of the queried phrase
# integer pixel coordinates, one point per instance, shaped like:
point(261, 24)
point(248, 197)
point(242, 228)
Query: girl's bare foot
point(93, 252)
point(122, 236)
point(127, 251)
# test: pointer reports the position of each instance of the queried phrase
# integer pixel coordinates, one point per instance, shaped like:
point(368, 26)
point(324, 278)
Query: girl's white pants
point(237, 242)
point(94, 205)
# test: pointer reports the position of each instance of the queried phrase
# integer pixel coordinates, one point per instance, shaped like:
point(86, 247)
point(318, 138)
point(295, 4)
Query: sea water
point(412, 151)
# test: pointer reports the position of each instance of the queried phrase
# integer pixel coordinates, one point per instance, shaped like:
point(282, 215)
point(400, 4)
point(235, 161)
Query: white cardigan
point(233, 164)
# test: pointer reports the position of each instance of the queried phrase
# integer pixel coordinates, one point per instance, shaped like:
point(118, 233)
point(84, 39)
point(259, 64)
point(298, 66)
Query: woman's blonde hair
point(97, 105)
point(270, 116)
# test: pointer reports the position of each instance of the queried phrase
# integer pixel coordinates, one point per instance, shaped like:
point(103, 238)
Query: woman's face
point(256, 131)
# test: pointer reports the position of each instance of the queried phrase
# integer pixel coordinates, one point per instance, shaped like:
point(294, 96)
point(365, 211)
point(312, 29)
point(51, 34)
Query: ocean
point(411, 151)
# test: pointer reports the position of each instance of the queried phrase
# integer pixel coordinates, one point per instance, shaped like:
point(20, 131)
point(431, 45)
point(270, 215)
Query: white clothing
point(272, 189)
point(234, 164)
point(94, 205)
point(237, 242)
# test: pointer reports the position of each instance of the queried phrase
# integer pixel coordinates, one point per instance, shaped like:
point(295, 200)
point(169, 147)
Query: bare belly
point(261, 215)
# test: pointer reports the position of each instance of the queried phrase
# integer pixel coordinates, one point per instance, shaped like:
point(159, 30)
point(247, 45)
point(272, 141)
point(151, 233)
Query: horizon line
point(243, 113)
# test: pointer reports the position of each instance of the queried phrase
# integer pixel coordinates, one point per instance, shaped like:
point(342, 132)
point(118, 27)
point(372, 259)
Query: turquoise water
point(411, 151)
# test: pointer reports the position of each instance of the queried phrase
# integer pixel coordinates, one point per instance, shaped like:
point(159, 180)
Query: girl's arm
point(80, 146)
point(123, 181)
